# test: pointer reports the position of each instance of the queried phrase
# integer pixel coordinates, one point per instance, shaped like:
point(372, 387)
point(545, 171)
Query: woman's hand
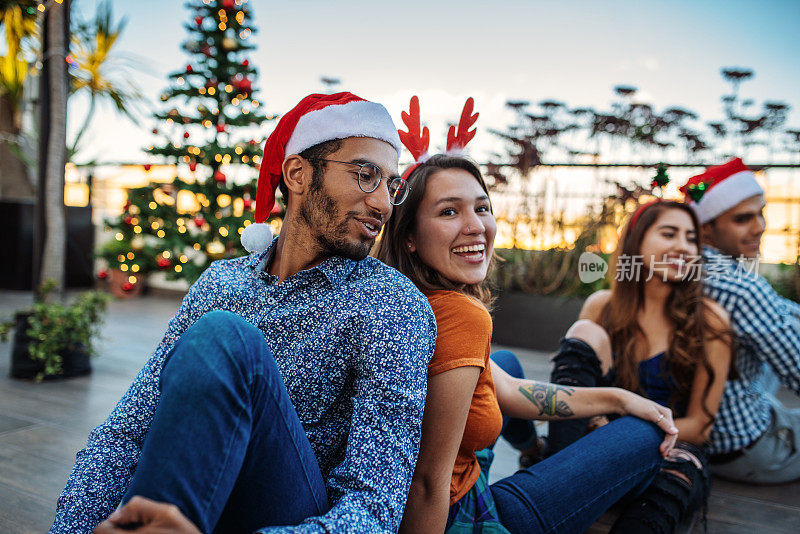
point(633, 404)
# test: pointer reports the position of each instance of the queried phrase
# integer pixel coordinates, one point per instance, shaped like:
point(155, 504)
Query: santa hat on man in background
point(316, 119)
point(720, 188)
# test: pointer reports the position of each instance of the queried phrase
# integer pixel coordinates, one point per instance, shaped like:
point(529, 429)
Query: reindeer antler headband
point(457, 139)
point(417, 138)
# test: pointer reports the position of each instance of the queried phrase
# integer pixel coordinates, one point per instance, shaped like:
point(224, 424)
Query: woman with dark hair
point(442, 238)
point(654, 334)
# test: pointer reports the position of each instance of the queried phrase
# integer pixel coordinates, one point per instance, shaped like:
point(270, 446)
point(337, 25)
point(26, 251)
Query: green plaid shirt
point(475, 512)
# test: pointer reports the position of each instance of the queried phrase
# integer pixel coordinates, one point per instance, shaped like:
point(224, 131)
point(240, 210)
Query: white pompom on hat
point(720, 188)
point(316, 119)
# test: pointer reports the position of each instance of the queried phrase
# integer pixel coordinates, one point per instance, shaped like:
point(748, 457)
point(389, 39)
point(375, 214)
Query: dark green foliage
point(787, 281)
point(553, 271)
point(55, 328)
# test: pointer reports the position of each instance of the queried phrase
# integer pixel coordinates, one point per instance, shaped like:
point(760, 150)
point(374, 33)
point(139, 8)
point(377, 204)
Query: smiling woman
point(449, 198)
point(460, 227)
point(656, 334)
point(442, 238)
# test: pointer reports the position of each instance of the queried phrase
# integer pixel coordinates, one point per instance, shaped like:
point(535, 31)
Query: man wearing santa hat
point(289, 387)
point(755, 438)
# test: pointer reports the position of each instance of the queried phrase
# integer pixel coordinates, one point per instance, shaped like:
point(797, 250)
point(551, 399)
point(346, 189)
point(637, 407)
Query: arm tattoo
point(543, 396)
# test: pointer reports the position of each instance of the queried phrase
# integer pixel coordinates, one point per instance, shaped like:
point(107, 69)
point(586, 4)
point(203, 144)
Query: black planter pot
point(533, 321)
point(74, 362)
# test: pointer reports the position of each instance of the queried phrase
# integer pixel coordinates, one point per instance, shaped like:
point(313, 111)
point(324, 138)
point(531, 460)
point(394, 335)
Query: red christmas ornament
point(198, 20)
point(163, 262)
point(193, 165)
point(199, 221)
point(102, 274)
point(245, 85)
point(247, 203)
point(253, 142)
point(127, 286)
point(219, 177)
point(227, 4)
point(245, 63)
point(155, 130)
point(128, 220)
point(147, 166)
point(189, 68)
point(186, 135)
point(206, 50)
point(221, 127)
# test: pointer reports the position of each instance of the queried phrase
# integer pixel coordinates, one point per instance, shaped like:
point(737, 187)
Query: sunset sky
point(445, 50)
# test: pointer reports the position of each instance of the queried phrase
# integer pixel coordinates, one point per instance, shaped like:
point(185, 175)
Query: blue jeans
point(226, 445)
point(519, 433)
point(568, 491)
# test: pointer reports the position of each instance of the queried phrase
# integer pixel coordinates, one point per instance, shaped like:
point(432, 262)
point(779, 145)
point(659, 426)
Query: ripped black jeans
point(678, 490)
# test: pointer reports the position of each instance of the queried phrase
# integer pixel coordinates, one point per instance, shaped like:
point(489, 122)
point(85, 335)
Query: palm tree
point(19, 21)
point(93, 59)
point(55, 53)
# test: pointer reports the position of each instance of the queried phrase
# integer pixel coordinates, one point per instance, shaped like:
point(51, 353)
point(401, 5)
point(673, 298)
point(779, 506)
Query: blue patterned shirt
point(352, 340)
point(767, 328)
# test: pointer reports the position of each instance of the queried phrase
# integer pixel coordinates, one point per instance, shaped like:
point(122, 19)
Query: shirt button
point(271, 301)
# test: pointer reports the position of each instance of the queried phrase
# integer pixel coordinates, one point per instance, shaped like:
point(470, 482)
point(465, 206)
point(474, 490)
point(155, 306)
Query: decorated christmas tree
point(210, 128)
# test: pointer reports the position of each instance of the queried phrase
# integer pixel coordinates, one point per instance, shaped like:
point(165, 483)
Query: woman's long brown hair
point(691, 324)
point(392, 248)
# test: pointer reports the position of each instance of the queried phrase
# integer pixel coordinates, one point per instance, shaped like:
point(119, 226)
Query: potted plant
point(539, 296)
point(54, 339)
point(540, 292)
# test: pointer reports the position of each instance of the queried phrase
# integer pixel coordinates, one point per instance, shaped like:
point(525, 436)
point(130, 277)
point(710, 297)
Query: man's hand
point(147, 517)
point(648, 410)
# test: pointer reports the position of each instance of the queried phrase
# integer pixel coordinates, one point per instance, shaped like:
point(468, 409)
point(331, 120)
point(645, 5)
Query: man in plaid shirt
point(755, 438)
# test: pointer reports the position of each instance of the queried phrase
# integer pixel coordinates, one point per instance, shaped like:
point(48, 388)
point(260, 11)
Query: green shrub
point(56, 328)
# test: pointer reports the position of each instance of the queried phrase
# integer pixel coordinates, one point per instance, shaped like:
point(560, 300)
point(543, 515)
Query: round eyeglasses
point(369, 178)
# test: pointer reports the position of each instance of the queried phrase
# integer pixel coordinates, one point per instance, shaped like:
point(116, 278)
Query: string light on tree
point(179, 228)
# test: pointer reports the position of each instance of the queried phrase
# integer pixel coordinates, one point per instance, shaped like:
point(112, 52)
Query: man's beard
point(319, 211)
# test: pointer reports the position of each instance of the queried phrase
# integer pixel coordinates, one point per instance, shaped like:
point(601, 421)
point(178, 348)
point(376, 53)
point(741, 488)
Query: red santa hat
point(720, 188)
point(316, 119)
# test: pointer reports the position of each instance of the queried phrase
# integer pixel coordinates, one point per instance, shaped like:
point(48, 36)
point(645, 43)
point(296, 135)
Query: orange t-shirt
point(463, 337)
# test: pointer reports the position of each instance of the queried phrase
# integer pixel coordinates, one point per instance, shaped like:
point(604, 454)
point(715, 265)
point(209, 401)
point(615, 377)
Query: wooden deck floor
point(43, 425)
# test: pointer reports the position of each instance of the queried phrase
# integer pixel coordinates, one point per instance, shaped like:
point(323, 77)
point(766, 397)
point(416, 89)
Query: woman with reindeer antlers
point(442, 238)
